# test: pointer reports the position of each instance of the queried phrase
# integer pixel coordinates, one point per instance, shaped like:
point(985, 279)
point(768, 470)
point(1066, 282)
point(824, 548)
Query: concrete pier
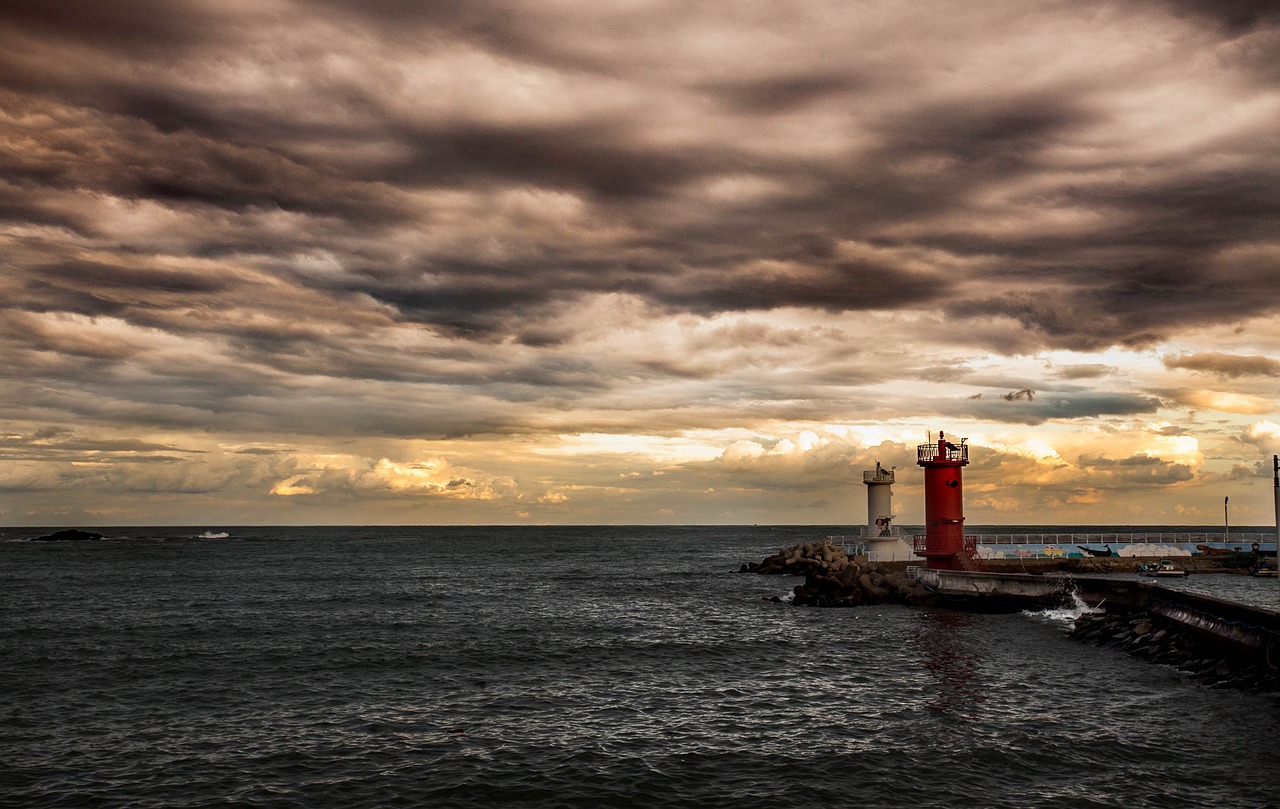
point(1236, 643)
point(989, 591)
point(1223, 642)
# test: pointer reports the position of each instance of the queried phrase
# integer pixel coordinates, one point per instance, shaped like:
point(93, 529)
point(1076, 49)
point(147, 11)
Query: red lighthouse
point(944, 544)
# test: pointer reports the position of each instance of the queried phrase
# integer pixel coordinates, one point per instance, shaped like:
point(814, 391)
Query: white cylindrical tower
point(879, 500)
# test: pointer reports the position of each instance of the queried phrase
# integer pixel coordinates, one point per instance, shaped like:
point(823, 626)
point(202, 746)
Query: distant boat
point(1263, 566)
point(1164, 569)
point(1097, 551)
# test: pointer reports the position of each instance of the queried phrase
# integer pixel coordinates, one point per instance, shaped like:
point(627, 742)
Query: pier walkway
point(1138, 544)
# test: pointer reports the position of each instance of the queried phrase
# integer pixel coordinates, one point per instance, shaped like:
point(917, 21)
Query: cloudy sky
point(390, 261)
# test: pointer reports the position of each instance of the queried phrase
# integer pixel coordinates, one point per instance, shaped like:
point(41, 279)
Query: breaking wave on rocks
point(1066, 615)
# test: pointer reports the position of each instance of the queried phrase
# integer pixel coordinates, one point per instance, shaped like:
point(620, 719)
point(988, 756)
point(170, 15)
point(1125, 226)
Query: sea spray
point(1068, 614)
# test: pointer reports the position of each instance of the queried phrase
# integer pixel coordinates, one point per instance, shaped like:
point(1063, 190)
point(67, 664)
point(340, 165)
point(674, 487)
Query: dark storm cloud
point(111, 154)
point(203, 400)
point(986, 132)
point(1133, 306)
point(284, 183)
point(66, 444)
point(94, 274)
point(593, 158)
point(1048, 405)
point(145, 135)
point(1235, 16)
point(1224, 365)
point(840, 286)
point(1170, 265)
point(179, 158)
point(133, 25)
point(1136, 470)
point(783, 93)
point(494, 23)
point(1088, 371)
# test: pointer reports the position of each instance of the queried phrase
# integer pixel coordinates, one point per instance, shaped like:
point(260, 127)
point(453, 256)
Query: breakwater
point(1218, 642)
point(834, 578)
point(1221, 642)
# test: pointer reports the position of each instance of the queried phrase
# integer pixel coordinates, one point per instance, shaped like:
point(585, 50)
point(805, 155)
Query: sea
point(575, 666)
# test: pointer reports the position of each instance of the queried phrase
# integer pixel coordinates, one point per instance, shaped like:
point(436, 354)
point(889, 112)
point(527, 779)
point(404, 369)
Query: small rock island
point(833, 579)
point(68, 535)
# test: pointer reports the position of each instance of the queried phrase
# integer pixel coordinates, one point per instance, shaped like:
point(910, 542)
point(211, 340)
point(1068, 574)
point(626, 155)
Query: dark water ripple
point(565, 667)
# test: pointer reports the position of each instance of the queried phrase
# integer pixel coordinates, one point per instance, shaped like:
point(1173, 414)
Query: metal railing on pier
point(1244, 539)
point(861, 543)
point(968, 545)
point(1057, 546)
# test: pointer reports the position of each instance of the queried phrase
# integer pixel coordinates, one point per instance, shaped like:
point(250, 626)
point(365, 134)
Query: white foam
point(1067, 614)
point(213, 535)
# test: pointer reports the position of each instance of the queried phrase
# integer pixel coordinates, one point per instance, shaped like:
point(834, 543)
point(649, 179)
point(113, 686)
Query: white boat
point(1163, 569)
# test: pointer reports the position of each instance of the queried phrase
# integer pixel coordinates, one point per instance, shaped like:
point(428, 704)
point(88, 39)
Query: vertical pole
point(1275, 484)
point(1226, 522)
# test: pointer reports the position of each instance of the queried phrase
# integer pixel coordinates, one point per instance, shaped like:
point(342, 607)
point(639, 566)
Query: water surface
point(566, 667)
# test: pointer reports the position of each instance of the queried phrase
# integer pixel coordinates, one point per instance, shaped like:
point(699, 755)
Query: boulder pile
point(834, 579)
point(1144, 636)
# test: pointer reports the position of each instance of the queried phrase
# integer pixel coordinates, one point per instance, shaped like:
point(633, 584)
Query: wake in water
point(214, 535)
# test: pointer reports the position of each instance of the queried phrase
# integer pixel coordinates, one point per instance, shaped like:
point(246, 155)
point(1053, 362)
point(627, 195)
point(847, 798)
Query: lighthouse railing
point(943, 452)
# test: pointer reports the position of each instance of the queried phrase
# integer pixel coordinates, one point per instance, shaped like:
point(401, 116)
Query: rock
point(833, 579)
point(848, 576)
point(1141, 636)
point(68, 535)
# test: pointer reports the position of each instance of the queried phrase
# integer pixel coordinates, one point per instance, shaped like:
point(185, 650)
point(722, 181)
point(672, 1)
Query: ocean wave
point(334, 667)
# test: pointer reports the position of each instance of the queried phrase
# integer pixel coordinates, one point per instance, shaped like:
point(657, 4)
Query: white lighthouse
point(879, 500)
point(884, 543)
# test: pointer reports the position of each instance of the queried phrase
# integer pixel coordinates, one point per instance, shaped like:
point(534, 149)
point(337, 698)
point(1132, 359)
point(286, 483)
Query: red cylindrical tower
point(944, 544)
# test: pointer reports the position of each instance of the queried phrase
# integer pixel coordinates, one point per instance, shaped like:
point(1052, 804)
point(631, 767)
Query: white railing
point(1244, 538)
point(862, 542)
point(1047, 546)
